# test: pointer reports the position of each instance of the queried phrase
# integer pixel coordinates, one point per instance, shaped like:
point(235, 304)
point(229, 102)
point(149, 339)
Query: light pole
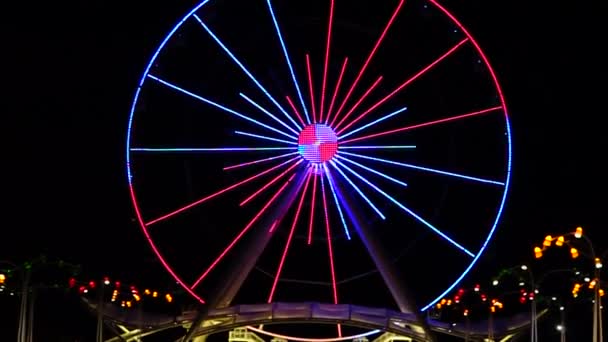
point(22, 331)
point(562, 325)
point(597, 265)
point(533, 321)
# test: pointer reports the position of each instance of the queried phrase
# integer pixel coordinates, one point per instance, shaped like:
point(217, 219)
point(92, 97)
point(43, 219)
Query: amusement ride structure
point(329, 164)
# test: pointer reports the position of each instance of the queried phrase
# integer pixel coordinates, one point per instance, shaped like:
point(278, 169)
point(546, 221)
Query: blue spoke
point(215, 104)
point(268, 113)
point(373, 171)
point(423, 221)
point(333, 191)
point(416, 167)
point(373, 123)
point(388, 147)
point(293, 75)
point(358, 190)
point(257, 83)
point(212, 149)
point(265, 138)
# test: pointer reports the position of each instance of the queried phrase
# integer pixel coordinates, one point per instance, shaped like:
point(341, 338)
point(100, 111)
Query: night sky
point(71, 69)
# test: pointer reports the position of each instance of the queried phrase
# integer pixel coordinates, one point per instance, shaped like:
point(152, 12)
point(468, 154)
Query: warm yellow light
point(574, 253)
point(137, 297)
point(493, 309)
point(538, 252)
point(466, 312)
point(2, 278)
point(449, 302)
point(168, 298)
point(602, 293)
point(438, 305)
point(560, 241)
point(578, 233)
point(592, 284)
point(547, 241)
point(129, 304)
point(443, 301)
point(146, 291)
point(154, 294)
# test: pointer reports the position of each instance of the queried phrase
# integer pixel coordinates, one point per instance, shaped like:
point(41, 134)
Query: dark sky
point(71, 68)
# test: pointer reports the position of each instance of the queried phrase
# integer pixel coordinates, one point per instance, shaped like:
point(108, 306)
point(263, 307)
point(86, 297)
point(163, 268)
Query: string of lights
point(127, 296)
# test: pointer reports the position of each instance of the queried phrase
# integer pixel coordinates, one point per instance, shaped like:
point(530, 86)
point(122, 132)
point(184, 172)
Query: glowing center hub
point(317, 143)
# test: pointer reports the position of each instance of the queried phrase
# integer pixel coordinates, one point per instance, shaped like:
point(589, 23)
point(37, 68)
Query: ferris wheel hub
point(318, 143)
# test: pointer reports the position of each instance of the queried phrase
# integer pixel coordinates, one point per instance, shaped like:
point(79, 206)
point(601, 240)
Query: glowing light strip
point(293, 75)
point(329, 245)
point(265, 111)
point(274, 180)
point(310, 87)
point(509, 155)
point(330, 250)
point(425, 124)
point(259, 161)
point(357, 104)
point(333, 98)
point(215, 104)
point(240, 235)
point(312, 205)
point(307, 339)
point(371, 55)
point(333, 191)
point(233, 57)
point(293, 228)
point(416, 167)
point(379, 147)
point(331, 19)
point(263, 137)
point(273, 226)
point(373, 171)
point(358, 190)
point(373, 123)
point(166, 216)
point(423, 221)
point(128, 154)
point(295, 110)
point(211, 149)
point(410, 80)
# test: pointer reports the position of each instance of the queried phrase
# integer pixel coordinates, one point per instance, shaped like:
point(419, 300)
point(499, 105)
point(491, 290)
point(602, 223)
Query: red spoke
point(331, 18)
point(330, 250)
point(371, 55)
point(193, 204)
point(365, 95)
point(293, 228)
point(404, 84)
point(273, 226)
point(333, 98)
point(425, 124)
point(295, 110)
point(272, 181)
point(312, 208)
point(310, 88)
point(238, 237)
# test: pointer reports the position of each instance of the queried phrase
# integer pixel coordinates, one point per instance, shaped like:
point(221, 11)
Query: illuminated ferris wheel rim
point(324, 160)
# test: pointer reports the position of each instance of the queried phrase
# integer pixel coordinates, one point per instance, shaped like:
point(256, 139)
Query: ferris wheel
point(294, 143)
